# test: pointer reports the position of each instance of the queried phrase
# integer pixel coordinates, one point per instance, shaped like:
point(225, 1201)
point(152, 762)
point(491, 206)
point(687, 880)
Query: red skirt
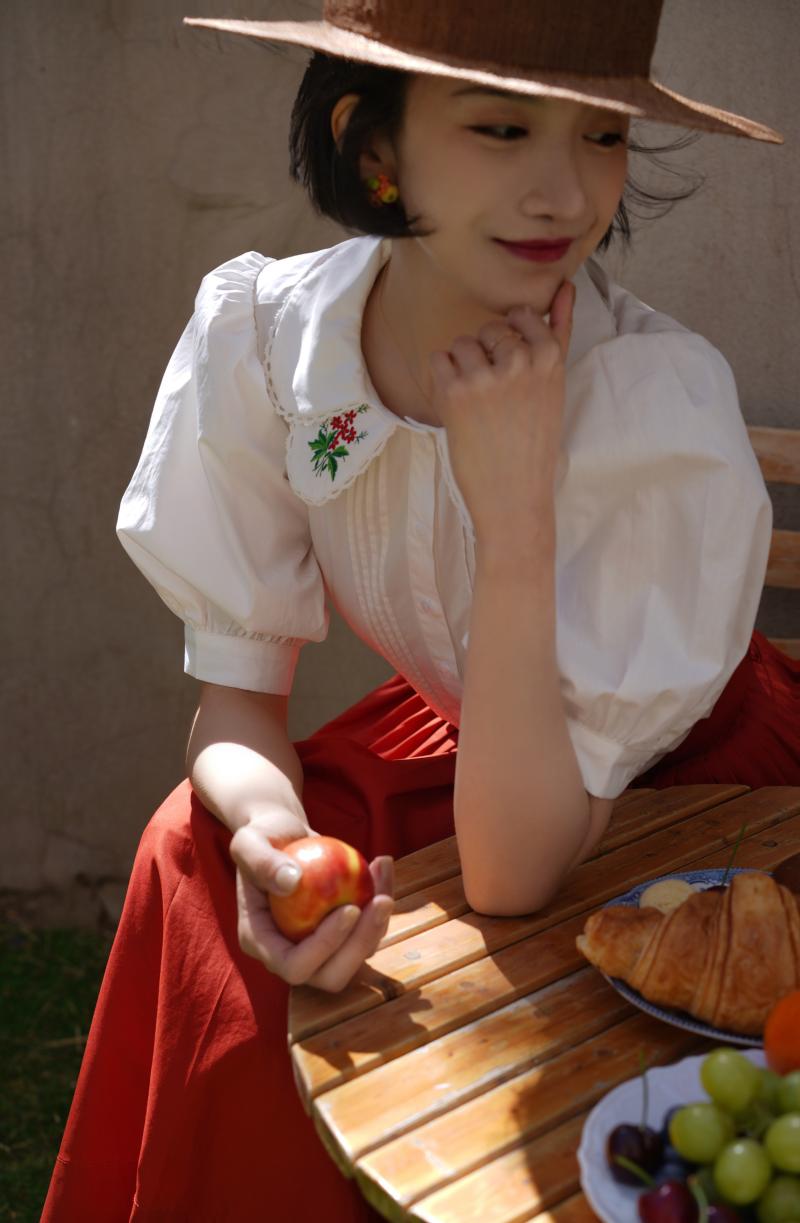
point(185, 1108)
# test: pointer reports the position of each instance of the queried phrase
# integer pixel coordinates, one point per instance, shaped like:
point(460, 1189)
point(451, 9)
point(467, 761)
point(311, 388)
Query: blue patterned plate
point(700, 880)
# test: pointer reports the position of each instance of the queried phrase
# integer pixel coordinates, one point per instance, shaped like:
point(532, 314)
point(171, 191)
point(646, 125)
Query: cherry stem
point(735, 852)
point(630, 1166)
point(699, 1195)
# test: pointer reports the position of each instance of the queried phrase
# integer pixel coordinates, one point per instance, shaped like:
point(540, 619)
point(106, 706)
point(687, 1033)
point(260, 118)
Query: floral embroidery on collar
point(330, 445)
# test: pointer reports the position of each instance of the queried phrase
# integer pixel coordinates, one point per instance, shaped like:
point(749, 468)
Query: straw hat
point(592, 51)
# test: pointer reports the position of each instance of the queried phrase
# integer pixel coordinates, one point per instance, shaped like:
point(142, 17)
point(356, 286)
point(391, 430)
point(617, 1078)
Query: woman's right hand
point(330, 957)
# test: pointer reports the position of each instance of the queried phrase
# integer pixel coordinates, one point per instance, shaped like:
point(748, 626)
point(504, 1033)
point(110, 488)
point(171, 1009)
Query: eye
point(496, 131)
point(608, 140)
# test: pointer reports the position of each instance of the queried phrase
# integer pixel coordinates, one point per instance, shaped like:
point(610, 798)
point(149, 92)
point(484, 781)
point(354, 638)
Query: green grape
point(698, 1132)
point(742, 1171)
point(789, 1093)
point(768, 1089)
point(754, 1121)
point(780, 1201)
point(782, 1142)
point(730, 1079)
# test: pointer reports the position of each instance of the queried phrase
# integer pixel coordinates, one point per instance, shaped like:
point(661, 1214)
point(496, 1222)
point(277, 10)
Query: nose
point(556, 189)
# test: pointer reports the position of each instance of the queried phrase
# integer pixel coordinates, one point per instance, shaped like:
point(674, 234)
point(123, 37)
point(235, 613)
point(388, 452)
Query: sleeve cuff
point(240, 662)
point(608, 767)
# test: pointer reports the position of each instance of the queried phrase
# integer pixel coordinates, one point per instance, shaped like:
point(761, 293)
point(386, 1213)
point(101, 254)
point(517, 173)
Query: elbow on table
point(503, 900)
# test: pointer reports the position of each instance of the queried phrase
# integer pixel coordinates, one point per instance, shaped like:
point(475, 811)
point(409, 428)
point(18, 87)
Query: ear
point(340, 116)
point(378, 157)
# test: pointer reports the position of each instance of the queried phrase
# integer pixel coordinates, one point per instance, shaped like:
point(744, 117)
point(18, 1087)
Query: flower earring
point(382, 191)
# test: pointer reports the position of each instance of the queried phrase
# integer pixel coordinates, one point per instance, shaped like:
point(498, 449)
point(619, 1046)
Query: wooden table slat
point(648, 811)
point(454, 1076)
point(573, 1210)
point(431, 906)
point(455, 1067)
point(425, 867)
point(513, 1185)
point(371, 1038)
point(521, 1109)
point(418, 958)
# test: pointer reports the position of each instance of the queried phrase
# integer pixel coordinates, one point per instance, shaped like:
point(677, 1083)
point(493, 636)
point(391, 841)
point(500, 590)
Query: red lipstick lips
point(539, 250)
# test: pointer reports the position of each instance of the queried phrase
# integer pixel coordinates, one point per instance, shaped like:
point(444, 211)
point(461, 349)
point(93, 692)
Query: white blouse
point(272, 474)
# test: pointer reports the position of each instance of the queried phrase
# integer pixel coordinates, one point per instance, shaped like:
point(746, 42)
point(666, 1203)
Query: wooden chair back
point(778, 454)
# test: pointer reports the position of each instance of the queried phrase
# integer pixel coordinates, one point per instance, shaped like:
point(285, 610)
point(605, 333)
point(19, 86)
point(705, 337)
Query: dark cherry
point(640, 1144)
point(671, 1202)
point(673, 1170)
point(719, 1212)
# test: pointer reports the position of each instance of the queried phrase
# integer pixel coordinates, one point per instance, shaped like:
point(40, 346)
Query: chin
point(538, 296)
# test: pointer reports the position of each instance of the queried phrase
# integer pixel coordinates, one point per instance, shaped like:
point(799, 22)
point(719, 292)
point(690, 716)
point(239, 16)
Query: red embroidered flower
point(329, 447)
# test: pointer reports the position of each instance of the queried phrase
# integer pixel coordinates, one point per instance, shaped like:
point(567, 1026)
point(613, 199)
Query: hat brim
point(641, 97)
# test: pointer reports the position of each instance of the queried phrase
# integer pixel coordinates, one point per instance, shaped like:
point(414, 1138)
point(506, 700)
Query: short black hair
point(331, 175)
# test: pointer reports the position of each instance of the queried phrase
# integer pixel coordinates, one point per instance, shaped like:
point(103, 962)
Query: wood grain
point(453, 1079)
point(778, 453)
point(783, 566)
point(528, 1106)
point(371, 1038)
point(451, 1069)
point(422, 957)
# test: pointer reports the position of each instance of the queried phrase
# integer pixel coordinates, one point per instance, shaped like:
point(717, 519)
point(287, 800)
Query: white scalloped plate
point(700, 879)
point(667, 1086)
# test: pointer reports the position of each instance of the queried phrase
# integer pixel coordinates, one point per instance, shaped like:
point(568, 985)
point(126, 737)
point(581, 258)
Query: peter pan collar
point(316, 374)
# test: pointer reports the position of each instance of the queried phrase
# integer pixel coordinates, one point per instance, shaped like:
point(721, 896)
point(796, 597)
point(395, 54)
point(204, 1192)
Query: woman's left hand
point(500, 396)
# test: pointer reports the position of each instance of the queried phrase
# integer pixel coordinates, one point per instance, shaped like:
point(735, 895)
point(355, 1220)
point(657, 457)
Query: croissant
point(726, 957)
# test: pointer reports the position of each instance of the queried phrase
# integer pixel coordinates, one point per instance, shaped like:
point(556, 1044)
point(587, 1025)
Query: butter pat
point(665, 895)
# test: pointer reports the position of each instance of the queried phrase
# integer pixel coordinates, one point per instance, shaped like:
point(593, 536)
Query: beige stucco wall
point(136, 157)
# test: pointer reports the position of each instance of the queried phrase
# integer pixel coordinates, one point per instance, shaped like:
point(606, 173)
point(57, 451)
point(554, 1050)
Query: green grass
point(48, 987)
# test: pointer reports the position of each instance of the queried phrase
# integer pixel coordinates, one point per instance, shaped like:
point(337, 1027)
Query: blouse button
point(425, 605)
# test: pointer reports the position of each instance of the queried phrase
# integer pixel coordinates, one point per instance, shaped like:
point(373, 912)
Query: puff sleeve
point(663, 533)
point(209, 517)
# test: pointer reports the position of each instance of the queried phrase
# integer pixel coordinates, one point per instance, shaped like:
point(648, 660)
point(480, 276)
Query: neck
point(424, 309)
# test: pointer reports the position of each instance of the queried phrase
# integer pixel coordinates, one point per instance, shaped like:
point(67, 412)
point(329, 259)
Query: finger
point(258, 935)
point(513, 349)
point(492, 333)
point(468, 354)
point(530, 324)
point(361, 943)
point(303, 963)
point(266, 867)
point(382, 871)
point(561, 315)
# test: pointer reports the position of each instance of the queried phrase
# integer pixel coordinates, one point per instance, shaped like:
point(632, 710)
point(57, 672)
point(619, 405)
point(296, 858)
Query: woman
point(533, 494)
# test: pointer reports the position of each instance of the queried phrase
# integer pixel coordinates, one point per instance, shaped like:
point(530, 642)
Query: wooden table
point(453, 1077)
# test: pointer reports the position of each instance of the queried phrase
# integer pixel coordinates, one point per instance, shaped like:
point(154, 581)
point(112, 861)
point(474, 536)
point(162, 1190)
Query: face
point(482, 167)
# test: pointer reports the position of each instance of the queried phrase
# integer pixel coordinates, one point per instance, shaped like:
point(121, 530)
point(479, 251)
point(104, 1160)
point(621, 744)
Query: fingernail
point(287, 877)
point(348, 916)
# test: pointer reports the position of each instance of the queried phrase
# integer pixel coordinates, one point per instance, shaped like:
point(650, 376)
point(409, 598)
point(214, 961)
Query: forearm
point(522, 813)
point(241, 763)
